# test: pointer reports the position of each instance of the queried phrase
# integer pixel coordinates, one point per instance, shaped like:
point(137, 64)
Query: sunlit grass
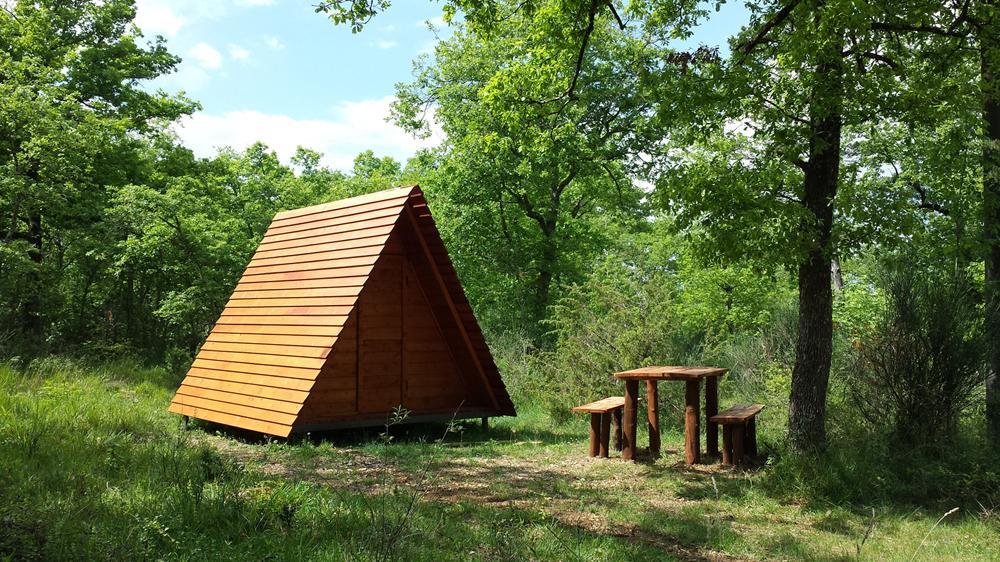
point(93, 467)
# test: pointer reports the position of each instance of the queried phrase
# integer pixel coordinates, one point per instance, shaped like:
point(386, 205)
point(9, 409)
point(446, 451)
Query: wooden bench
point(739, 432)
point(602, 413)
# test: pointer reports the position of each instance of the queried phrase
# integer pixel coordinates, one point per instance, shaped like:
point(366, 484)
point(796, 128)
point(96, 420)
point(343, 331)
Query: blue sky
point(276, 71)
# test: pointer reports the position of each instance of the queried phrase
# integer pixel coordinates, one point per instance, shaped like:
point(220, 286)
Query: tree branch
point(776, 21)
point(578, 67)
point(928, 205)
point(903, 27)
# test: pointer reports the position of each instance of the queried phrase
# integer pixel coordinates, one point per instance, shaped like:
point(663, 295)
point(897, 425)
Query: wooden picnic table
point(692, 377)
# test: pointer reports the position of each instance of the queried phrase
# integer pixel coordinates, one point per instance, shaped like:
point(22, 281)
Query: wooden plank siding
point(342, 314)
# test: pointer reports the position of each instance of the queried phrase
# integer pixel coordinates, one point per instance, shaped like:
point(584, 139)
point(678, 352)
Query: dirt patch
point(574, 491)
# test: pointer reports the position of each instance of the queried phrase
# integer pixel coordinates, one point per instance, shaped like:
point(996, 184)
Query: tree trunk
point(989, 42)
point(33, 302)
point(546, 267)
point(811, 375)
point(836, 275)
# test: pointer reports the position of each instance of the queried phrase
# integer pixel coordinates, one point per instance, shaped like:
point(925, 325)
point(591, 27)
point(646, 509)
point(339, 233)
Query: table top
point(657, 372)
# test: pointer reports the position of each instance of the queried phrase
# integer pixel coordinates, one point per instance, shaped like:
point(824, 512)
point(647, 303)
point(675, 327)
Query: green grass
point(93, 467)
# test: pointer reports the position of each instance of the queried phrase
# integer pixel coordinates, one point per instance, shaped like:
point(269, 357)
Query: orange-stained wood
point(251, 378)
point(230, 419)
point(308, 252)
point(262, 359)
point(372, 248)
point(290, 350)
point(366, 256)
point(272, 339)
point(345, 311)
point(236, 367)
point(322, 292)
point(301, 237)
point(399, 194)
point(227, 397)
point(354, 214)
point(298, 321)
point(302, 245)
point(236, 302)
point(289, 311)
point(353, 283)
point(247, 389)
point(290, 330)
point(252, 412)
point(328, 273)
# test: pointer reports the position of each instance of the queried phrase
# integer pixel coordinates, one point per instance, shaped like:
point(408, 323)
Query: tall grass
point(92, 467)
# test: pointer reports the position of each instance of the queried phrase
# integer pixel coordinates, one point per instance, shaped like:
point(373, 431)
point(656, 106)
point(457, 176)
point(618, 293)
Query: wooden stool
point(739, 432)
point(602, 413)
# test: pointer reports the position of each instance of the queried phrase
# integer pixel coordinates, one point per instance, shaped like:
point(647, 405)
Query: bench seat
point(602, 413)
point(737, 414)
point(602, 406)
point(739, 431)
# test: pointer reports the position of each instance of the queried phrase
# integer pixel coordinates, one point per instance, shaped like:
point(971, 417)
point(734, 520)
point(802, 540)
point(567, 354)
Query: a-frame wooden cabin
point(347, 310)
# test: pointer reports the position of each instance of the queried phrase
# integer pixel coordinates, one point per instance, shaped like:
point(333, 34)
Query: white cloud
point(167, 17)
point(236, 52)
point(206, 56)
point(274, 43)
point(354, 126)
point(157, 18)
point(437, 22)
point(385, 44)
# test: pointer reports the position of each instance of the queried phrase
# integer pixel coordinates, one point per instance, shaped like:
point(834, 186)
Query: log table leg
point(653, 417)
point(692, 453)
point(595, 434)
point(631, 405)
point(727, 444)
point(739, 432)
point(616, 431)
point(605, 435)
point(711, 409)
point(752, 437)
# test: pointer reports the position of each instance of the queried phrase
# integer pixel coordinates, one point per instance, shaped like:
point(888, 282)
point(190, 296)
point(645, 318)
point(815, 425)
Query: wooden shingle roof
point(264, 354)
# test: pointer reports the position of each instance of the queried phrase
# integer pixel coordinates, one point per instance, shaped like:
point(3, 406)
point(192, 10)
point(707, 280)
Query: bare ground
point(561, 488)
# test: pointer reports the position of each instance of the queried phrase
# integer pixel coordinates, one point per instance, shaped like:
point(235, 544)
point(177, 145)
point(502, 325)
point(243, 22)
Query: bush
point(618, 319)
point(923, 359)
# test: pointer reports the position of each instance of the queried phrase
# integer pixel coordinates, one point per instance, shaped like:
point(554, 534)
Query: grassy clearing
point(92, 467)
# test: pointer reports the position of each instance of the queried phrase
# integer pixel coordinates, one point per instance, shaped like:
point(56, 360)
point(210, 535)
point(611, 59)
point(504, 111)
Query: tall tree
point(950, 33)
point(534, 144)
point(803, 76)
point(71, 117)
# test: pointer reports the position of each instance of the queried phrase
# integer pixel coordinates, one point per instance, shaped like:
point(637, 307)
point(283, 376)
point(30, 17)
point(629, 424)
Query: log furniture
point(739, 432)
point(602, 413)
point(692, 377)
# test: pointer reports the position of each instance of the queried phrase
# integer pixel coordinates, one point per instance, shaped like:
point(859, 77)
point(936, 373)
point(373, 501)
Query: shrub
point(923, 359)
point(617, 319)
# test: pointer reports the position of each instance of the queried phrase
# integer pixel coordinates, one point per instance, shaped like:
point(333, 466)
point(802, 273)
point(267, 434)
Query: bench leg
point(616, 432)
point(727, 444)
point(739, 433)
point(605, 434)
point(653, 417)
point(692, 446)
point(595, 434)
